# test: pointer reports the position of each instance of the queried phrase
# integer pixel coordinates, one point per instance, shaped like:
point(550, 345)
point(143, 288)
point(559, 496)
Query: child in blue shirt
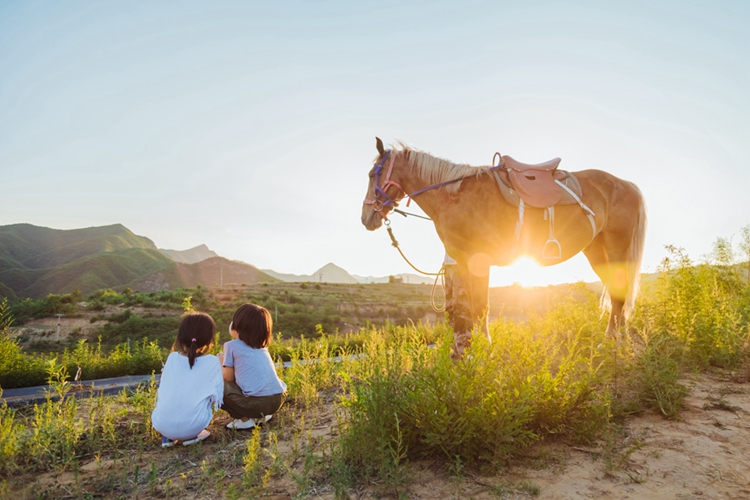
point(253, 391)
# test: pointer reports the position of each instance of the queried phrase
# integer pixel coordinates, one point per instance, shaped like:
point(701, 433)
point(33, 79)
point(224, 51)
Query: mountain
point(190, 256)
point(215, 271)
point(33, 247)
point(330, 273)
point(36, 261)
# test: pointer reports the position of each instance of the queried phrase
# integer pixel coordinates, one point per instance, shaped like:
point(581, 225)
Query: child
point(190, 381)
point(252, 390)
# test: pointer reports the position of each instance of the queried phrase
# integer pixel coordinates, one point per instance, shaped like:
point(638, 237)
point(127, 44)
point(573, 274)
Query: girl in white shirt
point(191, 382)
point(252, 390)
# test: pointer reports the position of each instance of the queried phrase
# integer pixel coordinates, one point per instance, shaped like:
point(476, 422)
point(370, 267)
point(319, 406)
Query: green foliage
point(134, 358)
point(408, 400)
point(656, 375)
point(58, 432)
point(703, 307)
point(136, 328)
point(169, 299)
point(27, 309)
point(10, 439)
point(16, 368)
point(128, 358)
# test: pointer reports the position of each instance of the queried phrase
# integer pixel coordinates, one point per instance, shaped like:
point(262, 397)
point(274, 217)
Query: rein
point(440, 275)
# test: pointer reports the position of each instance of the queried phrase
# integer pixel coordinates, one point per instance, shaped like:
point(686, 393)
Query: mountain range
point(36, 261)
point(331, 273)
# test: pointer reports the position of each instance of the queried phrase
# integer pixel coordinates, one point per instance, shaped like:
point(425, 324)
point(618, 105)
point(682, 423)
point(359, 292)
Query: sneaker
point(200, 437)
point(166, 442)
point(263, 420)
point(239, 424)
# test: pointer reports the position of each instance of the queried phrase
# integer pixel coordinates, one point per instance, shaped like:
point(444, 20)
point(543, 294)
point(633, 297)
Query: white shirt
point(183, 401)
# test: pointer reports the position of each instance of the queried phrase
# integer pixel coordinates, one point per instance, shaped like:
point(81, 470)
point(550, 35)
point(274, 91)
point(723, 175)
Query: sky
point(250, 126)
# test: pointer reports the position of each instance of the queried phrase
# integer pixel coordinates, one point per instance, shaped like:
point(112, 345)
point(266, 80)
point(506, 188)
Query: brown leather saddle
point(535, 184)
point(539, 186)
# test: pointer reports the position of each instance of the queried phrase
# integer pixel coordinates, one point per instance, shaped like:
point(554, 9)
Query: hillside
point(36, 261)
point(25, 246)
point(215, 271)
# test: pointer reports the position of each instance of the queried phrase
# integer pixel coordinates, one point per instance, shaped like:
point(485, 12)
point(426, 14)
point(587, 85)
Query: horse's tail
point(635, 255)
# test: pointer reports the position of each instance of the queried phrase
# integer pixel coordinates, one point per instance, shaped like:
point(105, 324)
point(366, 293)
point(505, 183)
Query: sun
point(524, 271)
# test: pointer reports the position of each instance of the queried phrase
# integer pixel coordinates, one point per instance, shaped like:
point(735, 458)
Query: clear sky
point(250, 126)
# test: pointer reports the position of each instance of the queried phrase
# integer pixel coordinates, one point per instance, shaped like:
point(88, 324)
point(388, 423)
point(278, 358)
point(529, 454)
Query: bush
point(703, 307)
point(408, 400)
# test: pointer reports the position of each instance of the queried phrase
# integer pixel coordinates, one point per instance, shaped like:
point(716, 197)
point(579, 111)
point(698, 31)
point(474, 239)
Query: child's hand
point(221, 357)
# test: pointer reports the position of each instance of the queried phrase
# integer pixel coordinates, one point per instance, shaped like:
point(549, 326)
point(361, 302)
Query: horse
point(479, 228)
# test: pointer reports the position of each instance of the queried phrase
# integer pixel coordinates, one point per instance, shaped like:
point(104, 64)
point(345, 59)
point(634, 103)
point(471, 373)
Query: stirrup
point(550, 242)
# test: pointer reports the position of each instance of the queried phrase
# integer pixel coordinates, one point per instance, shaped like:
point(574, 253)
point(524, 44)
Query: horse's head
point(383, 192)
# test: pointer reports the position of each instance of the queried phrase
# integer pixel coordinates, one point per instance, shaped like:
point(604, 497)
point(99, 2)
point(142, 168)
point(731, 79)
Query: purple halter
point(380, 191)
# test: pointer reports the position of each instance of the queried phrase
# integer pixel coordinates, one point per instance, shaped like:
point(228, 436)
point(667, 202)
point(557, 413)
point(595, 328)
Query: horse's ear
point(379, 145)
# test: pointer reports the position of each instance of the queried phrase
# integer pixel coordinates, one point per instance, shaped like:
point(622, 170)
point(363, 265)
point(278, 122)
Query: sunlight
point(526, 272)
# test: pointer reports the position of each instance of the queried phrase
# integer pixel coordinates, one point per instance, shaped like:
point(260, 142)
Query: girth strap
point(589, 213)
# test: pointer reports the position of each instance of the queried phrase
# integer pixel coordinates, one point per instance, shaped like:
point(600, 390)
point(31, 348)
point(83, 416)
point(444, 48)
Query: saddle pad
point(511, 195)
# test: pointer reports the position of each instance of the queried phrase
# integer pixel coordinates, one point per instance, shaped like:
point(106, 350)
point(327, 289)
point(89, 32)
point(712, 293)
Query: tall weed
point(534, 380)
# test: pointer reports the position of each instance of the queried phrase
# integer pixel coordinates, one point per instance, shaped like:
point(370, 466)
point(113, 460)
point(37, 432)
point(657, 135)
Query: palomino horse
point(479, 228)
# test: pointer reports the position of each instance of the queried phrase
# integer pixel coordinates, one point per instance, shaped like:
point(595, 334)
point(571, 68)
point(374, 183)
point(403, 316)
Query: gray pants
point(240, 406)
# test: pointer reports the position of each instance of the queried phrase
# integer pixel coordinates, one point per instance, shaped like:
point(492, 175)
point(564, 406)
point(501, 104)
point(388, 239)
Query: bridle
point(380, 191)
point(381, 199)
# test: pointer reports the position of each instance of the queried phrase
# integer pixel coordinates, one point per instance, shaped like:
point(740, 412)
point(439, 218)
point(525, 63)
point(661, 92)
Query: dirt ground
point(704, 455)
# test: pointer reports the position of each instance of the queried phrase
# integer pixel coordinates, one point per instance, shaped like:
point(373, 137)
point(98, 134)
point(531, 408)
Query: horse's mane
point(435, 170)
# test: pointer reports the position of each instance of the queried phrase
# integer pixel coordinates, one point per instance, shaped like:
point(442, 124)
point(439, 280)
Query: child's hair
point(195, 334)
point(253, 324)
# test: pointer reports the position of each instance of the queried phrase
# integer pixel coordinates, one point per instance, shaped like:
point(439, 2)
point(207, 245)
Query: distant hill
point(190, 256)
point(404, 277)
point(36, 261)
point(330, 273)
point(210, 272)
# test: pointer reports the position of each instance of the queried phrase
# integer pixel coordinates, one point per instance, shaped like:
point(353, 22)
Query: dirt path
point(704, 455)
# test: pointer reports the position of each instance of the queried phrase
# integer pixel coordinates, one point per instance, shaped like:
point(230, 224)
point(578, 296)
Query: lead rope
point(440, 275)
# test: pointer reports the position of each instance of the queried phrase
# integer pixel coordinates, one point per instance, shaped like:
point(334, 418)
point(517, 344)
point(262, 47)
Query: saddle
point(535, 184)
point(540, 186)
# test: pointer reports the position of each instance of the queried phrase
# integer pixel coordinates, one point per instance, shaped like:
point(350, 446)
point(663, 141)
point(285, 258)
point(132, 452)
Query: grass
point(401, 401)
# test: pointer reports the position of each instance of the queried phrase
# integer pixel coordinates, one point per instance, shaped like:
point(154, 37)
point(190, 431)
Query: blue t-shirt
point(254, 372)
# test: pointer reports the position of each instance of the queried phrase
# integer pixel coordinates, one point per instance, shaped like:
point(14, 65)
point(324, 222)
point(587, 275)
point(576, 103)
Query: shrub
point(406, 399)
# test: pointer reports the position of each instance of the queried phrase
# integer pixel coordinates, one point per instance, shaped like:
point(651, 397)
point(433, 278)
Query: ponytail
point(195, 335)
point(191, 353)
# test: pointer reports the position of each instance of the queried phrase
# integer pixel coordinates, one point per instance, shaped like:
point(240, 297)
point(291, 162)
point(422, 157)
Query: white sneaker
point(238, 424)
point(200, 437)
point(263, 420)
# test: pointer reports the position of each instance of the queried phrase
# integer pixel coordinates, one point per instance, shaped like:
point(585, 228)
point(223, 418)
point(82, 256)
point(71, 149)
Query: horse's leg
point(609, 255)
point(457, 308)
